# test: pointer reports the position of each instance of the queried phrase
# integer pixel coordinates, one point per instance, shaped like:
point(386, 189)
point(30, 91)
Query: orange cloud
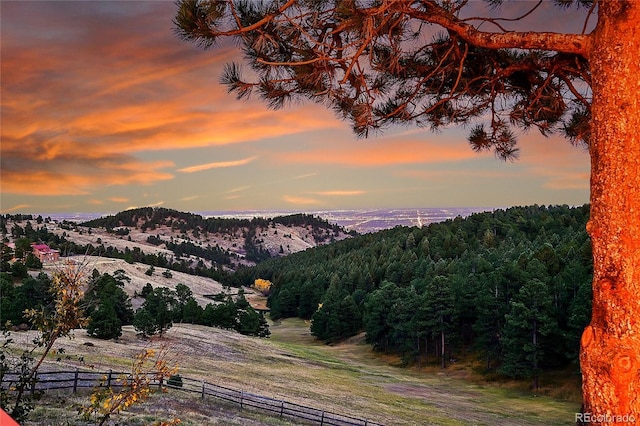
point(113, 82)
point(239, 189)
point(119, 199)
point(564, 180)
point(563, 165)
point(552, 179)
point(16, 208)
point(88, 87)
point(442, 175)
point(73, 172)
point(217, 165)
point(300, 200)
point(382, 152)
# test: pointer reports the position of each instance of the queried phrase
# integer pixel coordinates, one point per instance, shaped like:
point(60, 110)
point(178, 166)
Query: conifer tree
point(192, 312)
point(156, 313)
point(104, 322)
point(337, 317)
point(528, 322)
point(438, 307)
point(377, 306)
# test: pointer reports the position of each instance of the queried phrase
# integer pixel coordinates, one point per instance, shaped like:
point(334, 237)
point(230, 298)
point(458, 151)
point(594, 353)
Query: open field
point(346, 378)
point(138, 278)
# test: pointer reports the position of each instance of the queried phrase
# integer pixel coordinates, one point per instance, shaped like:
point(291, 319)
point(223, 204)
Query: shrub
point(175, 381)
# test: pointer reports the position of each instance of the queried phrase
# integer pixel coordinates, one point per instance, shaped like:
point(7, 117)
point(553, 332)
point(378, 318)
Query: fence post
point(33, 383)
point(160, 382)
point(322, 418)
point(281, 408)
point(203, 389)
point(75, 382)
point(241, 396)
point(109, 379)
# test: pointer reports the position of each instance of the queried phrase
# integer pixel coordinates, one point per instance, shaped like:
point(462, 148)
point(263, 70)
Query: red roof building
point(44, 253)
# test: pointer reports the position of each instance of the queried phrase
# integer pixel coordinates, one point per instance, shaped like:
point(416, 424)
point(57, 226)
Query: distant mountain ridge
point(221, 241)
point(361, 220)
point(150, 217)
point(209, 245)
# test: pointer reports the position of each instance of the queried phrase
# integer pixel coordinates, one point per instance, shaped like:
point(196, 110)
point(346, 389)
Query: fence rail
point(50, 380)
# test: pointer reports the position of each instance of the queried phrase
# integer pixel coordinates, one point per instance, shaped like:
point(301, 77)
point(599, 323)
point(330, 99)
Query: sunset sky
point(104, 109)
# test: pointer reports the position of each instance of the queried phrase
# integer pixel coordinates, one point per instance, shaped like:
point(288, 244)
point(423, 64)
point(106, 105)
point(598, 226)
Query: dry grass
point(60, 410)
point(291, 238)
point(562, 384)
point(138, 278)
point(347, 378)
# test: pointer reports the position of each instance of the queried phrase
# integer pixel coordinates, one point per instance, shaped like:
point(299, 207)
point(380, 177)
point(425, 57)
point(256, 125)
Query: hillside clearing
point(200, 286)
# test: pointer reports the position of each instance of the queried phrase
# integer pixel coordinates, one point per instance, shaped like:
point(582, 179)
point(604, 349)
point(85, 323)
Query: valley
point(346, 378)
point(365, 372)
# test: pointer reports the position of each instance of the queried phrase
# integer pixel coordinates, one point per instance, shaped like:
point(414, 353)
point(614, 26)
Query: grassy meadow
point(347, 378)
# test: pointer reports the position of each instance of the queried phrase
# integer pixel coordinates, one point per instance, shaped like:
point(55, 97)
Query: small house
point(44, 253)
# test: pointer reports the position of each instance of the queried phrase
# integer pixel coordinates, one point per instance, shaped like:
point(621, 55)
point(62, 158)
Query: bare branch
point(566, 43)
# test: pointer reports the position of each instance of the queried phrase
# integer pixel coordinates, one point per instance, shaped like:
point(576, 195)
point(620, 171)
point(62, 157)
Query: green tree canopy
point(156, 314)
point(104, 322)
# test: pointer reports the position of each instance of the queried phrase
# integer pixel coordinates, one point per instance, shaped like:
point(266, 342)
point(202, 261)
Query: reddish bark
point(610, 346)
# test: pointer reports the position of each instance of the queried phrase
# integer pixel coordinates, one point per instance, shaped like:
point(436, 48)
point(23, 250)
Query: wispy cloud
point(566, 180)
point(375, 153)
point(239, 189)
point(157, 204)
point(305, 176)
point(16, 208)
point(300, 200)
point(444, 175)
point(339, 193)
point(138, 99)
point(73, 173)
point(45, 161)
point(217, 165)
point(129, 97)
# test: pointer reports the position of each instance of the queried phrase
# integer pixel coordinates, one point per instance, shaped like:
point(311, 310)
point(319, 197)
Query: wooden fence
point(50, 380)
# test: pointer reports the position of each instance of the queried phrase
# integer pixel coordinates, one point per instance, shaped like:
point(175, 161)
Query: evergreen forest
point(108, 308)
point(511, 287)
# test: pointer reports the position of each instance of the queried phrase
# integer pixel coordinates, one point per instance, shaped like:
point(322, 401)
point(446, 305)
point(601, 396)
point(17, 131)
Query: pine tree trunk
point(426, 351)
point(610, 345)
point(536, 381)
point(443, 363)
